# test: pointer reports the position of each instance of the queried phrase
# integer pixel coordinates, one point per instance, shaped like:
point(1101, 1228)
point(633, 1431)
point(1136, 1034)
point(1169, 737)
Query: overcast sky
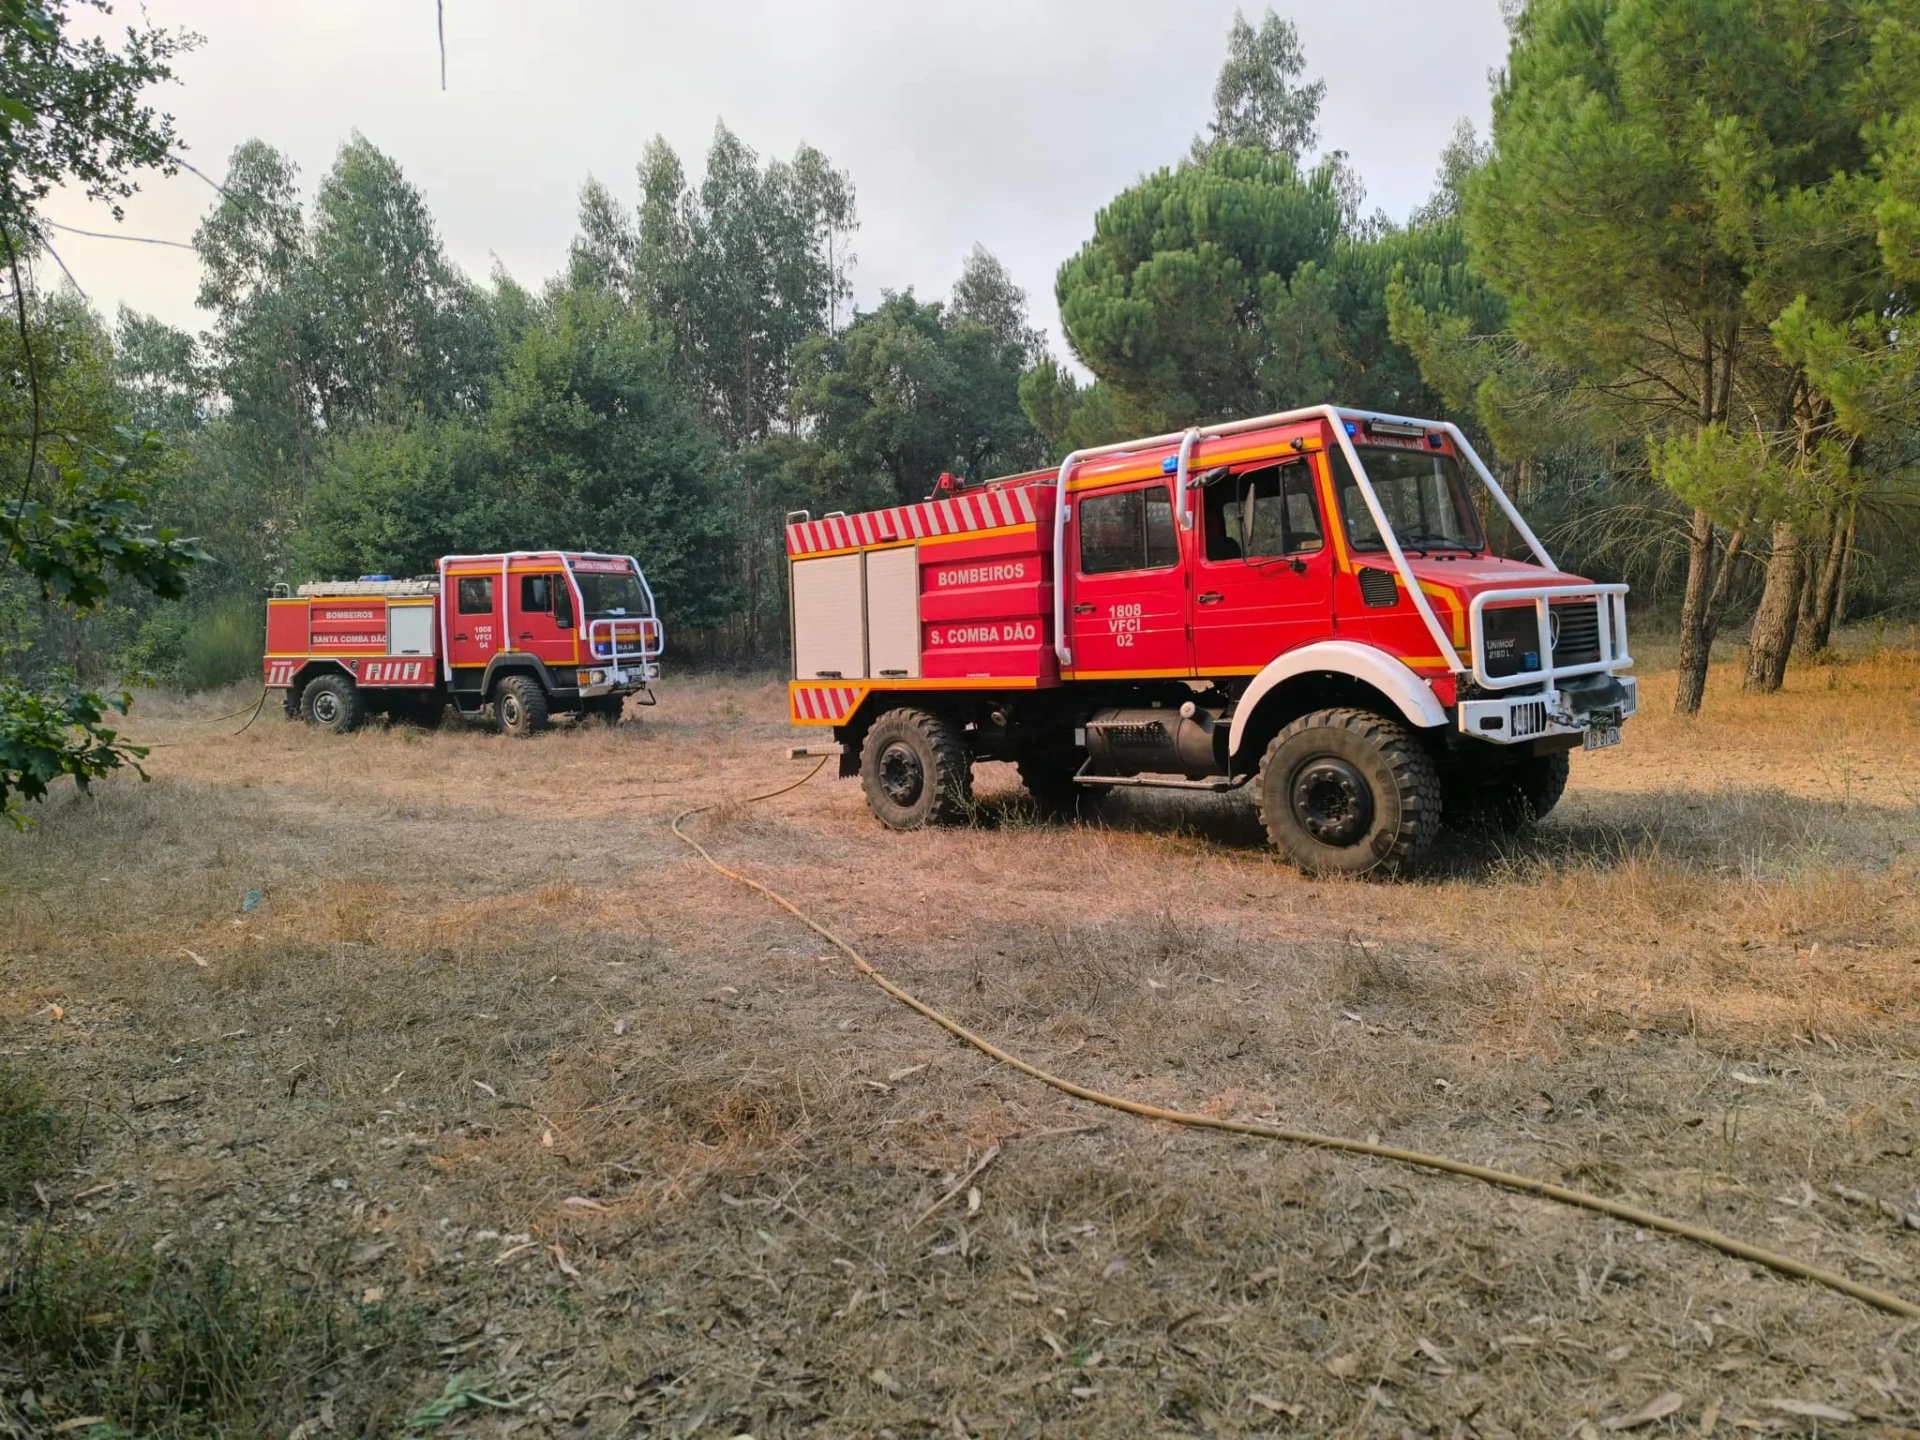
point(1007, 122)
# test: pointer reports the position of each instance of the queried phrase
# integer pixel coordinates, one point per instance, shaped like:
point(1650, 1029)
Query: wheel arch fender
point(313, 669)
point(1374, 668)
point(515, 663)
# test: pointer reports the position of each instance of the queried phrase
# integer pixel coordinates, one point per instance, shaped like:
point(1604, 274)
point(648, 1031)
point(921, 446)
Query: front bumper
point(617, 680)
point(1513, 719)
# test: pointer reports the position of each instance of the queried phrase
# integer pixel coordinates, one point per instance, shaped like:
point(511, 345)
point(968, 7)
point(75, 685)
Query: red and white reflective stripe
point(824, 702)
point(983, 510)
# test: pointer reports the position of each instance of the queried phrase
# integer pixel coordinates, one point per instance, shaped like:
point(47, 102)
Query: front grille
point(1576, 633)
point(1529, 719)
point(1511, 636)
point(1378, 588)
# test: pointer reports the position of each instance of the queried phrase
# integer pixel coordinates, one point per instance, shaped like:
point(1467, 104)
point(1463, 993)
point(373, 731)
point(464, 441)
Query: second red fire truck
point(1304, 604)
point(518, 637)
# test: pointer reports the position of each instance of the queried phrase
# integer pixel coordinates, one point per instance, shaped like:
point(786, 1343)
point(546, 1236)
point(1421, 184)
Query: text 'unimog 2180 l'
point(1304, 603)
point(521, 636)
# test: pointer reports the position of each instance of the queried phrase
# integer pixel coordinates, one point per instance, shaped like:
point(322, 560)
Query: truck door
point(540, 616)
point(1127, 609)
point(473, 623)
point(1263, 575)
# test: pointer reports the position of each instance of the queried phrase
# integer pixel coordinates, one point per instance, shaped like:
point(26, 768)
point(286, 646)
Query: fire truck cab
point(519, 636)
point(1304, 604)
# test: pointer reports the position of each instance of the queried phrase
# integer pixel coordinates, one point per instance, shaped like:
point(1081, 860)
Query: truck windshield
point(1421, 494)
point(618, 596)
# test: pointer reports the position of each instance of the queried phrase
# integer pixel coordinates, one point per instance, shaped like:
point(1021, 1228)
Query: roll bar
point(1338, 419)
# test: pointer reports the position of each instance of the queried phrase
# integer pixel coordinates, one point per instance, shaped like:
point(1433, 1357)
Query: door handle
point(1212, 597)
point(1083, 609)
point(526, 634)
point(460, 637)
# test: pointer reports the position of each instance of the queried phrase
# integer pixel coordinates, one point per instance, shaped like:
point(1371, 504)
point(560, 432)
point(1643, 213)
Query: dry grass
point(640, 1157)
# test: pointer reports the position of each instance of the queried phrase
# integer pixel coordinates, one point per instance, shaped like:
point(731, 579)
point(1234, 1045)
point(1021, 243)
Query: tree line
point(1668, 295)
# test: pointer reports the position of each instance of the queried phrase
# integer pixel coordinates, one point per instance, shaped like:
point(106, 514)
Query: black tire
point(915, 770)
point(1050, 783)
point(1515, 798)
point(1346, 792)
point(606, 709)
point(519, 706)
point(333, 703)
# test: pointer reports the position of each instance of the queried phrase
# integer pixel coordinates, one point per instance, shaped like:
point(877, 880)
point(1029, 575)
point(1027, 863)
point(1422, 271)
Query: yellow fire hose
point(1526, 1185)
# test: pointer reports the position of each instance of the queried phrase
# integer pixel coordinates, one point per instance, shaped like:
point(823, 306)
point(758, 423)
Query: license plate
point(1602, 737)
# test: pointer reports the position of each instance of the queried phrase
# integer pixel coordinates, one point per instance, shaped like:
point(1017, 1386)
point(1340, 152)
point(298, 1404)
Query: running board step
point(815, 752)
point(1219, 786)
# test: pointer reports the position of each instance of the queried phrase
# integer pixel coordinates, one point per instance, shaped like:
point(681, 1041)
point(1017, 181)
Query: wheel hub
point(510, 710)
point(1332, 801)
point(901, 775)
point(326, 707)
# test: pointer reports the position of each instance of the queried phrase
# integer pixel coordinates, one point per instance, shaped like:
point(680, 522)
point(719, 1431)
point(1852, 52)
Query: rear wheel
point(519, 706)
point(915, 770)
point(291, 699)
point(333, 703)
point(1346, 792)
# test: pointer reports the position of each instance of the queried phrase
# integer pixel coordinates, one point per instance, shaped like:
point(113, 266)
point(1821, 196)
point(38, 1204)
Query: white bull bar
point(607, 654)
point(1610, 604)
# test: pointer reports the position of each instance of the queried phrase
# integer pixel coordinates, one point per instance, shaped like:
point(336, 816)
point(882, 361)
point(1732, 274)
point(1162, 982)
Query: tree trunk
point(1779, 612)
point(1813, 546)
point(1846, 568)
point(1827, 601)
point(1696, 618)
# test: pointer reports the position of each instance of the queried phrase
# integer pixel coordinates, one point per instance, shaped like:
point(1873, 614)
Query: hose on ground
point(256, 707)
point(1504, 1179)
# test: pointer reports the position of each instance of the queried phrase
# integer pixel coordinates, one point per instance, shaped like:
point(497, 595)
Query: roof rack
point(321, 589)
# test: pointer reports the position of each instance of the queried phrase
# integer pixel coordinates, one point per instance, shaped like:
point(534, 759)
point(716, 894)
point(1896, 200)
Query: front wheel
point(606, 709)
point(1346, 792)
point(519, 706)
point(915, 770)
point(1517, 798)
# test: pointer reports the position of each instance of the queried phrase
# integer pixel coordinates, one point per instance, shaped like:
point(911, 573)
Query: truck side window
point(476, 595)
point(1263, 514)
point(536, 594)
point(1132, 530)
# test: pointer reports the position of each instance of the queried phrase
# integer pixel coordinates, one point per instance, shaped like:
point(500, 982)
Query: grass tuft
point(28, 1134)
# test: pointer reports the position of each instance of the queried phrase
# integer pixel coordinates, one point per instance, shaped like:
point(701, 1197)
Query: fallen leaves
point(1657, 1408)
point(1811, 1410)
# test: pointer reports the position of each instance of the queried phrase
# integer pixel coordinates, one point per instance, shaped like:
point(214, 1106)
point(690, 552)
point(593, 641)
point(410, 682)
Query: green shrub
point(185, 1345)
point(202, 645)
point(27, 1134)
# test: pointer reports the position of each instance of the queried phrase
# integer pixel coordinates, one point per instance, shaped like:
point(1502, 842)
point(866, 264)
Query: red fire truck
point(1304, 603)
point(522, 636)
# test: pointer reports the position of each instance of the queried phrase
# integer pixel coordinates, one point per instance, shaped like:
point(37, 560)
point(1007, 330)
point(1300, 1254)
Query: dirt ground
point(452, 1026)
